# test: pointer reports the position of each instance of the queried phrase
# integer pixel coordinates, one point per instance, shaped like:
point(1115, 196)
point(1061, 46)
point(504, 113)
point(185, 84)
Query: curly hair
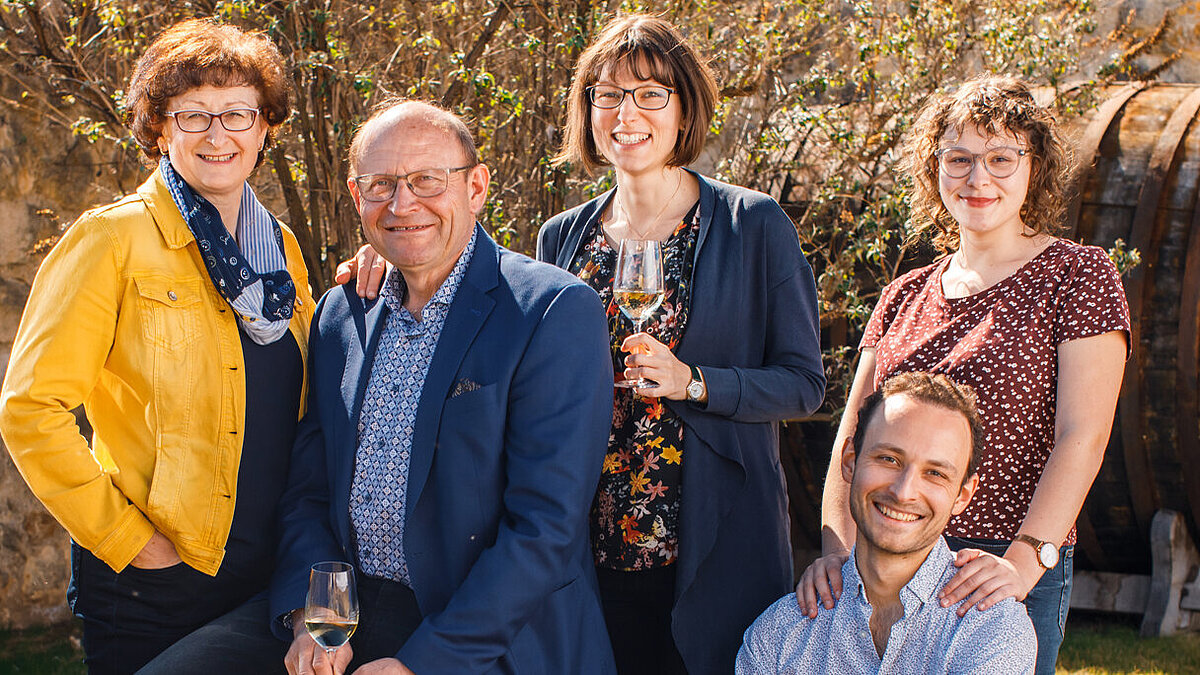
point(651, 49)
point(196, 53)
point(996, 105)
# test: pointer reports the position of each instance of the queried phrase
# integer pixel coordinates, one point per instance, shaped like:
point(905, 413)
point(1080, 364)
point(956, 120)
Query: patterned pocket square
point(464, 386)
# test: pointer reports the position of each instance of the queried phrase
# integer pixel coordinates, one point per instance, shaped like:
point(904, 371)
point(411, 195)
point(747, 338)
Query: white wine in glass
point(331, 610)
point(638, 287)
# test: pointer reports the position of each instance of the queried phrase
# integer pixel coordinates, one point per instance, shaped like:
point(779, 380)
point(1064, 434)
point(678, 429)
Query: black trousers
point(637, 611)
point(131, 617)
point(387, 616)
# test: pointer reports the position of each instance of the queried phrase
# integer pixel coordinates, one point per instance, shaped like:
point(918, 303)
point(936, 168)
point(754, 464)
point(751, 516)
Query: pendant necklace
point(620, 206)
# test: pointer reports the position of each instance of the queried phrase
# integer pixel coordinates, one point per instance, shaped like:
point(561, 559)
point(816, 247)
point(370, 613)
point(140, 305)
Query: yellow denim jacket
point(123, 318)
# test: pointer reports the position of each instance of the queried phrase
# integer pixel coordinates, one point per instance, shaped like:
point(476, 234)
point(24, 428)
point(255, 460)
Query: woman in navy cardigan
point(690, 521)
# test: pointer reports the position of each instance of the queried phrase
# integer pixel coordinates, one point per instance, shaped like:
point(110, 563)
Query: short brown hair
point(652, 49)
point(196, 53)
point(934, 389)
point(996, 105)
point(430, 113)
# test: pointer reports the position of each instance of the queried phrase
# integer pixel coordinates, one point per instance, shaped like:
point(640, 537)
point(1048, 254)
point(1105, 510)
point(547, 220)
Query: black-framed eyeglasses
point(646, 97)
point(1001, 162)
point(198, 121)
point(381, 187)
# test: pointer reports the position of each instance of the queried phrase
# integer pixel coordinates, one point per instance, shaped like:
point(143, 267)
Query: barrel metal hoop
point(1187, 417)
point(1088, 147)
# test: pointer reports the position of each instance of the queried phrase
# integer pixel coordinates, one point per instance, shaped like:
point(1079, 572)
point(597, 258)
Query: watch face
point(1048, 555)
point(694, 390)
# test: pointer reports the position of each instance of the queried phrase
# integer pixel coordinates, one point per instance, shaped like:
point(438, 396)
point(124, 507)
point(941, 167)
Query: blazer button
point(472, 537)
point(172, 296)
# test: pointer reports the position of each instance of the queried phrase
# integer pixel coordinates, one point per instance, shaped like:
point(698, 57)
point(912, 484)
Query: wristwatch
point(695, 388)
point(1047, 553)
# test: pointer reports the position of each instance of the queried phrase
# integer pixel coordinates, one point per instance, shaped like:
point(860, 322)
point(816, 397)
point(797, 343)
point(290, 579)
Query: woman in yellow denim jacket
point(184, 337)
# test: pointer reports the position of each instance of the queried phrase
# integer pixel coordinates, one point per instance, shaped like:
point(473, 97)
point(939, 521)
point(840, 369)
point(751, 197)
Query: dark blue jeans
point(191, 622)
point(1046, 604)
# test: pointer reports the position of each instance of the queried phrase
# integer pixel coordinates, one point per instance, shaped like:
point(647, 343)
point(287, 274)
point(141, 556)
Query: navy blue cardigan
point(753, 329)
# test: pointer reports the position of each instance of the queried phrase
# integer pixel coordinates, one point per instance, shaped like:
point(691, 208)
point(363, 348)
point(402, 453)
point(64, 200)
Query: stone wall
point(47, 178)
point(1182, 38)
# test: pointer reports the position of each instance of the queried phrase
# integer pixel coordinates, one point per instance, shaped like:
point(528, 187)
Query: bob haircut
point(196, 53)
point(996, 105)
point(651, 49)
point(932, 389)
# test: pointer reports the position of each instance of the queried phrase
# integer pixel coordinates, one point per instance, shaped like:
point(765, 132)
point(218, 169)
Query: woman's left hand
point(368, 269)
point(984, 579)
point(158, 553)
point(653, 360)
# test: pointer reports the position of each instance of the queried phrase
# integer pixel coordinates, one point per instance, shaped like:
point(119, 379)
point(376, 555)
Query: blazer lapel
point(369, 320)
point(374, 321)
point(468, 312)
point(708, 206)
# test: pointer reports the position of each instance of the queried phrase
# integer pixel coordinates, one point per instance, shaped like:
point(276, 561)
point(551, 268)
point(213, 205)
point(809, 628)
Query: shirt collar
point(924, 583)
point(928, 578)
point(394, 290)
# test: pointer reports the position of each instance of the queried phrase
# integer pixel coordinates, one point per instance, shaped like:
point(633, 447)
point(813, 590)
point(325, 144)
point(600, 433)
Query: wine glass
point(331, 610)
point(638, 287)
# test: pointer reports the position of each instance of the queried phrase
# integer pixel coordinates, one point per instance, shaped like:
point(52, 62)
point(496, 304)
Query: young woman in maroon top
point(1037, 324)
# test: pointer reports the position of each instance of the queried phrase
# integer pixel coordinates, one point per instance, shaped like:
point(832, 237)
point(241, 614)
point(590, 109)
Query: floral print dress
point(635, 515)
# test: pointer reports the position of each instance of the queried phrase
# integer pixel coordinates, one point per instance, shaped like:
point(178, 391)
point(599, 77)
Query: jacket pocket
point(172, 317)
point(169, 310)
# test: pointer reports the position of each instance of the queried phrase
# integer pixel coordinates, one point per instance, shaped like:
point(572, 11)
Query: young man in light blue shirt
point(911, 465)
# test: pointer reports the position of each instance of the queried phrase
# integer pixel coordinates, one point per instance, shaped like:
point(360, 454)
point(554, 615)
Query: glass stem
point(637, 325)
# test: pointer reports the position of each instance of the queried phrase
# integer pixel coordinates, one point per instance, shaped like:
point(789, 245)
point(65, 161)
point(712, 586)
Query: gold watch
point(1047, 553)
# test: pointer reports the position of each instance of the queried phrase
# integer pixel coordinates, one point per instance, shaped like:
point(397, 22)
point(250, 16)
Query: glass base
point(635, 384)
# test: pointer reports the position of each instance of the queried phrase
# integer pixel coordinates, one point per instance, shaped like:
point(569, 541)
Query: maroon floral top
point(1003, 341)
point(635, 515)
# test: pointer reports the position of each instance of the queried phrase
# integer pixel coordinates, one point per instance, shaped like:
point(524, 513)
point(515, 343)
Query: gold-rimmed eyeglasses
point(381, 187)
point(198, 121)
point(1000, 162)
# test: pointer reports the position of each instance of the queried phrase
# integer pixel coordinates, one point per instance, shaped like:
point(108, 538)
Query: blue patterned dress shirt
point(385, 425)
point(929, 638)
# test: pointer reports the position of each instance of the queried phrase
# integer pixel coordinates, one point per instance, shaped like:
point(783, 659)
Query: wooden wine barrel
point(1139, 181)
point(1142, 186)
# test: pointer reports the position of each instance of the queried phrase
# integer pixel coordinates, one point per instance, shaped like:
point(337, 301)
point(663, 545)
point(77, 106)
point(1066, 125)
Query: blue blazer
point(753, 330)
point(501, 477)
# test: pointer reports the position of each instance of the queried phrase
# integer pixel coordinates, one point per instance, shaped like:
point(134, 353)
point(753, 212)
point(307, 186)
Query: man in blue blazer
point(454, 433)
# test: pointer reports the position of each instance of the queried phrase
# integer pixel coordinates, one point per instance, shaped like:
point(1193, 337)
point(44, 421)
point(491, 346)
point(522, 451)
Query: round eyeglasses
point(1000, 162)
point(381, 187)
point(198, 121)
point(646, 97)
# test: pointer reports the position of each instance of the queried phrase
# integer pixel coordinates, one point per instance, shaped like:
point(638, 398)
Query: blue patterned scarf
point(257, 286)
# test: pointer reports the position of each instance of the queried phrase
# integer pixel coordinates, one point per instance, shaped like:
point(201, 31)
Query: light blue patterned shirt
point(389, 413)
point(929, 638)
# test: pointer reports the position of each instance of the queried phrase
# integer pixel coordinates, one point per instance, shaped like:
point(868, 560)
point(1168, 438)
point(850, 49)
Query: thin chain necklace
point(620, 206)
